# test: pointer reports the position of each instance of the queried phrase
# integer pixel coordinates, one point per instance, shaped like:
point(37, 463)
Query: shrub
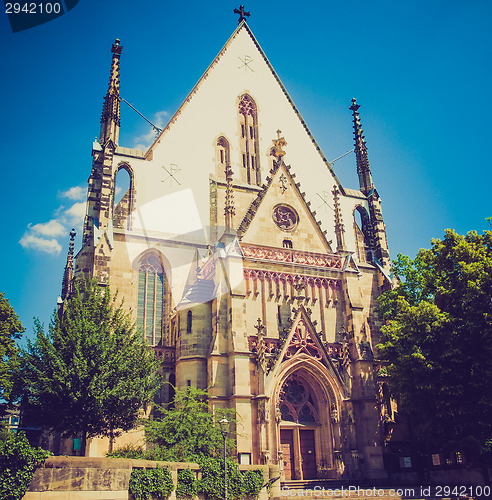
point(186, 484)
point(252, 482)
point(127, 451)
point(239, 484)
point(18, 460)
point(151, 483)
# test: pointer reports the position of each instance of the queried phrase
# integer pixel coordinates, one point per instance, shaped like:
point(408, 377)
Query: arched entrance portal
point(305, 429)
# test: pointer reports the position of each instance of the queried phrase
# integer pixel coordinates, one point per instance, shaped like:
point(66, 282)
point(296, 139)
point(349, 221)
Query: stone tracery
point(296, 403)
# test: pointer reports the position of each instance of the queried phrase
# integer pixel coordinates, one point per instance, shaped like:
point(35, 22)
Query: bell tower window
point(248, 123)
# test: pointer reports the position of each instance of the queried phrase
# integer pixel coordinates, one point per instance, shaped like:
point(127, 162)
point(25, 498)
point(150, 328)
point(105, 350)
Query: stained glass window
point(151, 298)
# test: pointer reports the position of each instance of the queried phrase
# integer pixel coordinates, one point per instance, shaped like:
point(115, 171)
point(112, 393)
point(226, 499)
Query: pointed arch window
point(123, 197)
point(363, 234)
point(248, 140)
point(152, 299)
point(222, 156)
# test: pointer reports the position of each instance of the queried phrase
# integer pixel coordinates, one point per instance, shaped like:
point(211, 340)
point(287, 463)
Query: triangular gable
point(350, 264)
point(303, 340)
point(195, 268)
point(281, 190)
point(242, 26)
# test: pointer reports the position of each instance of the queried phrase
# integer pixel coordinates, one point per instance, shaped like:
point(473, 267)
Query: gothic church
point(231, 275)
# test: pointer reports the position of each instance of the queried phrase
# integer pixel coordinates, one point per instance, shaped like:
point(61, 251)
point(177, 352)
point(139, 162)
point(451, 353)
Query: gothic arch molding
point(316, 434)
point(317, 373)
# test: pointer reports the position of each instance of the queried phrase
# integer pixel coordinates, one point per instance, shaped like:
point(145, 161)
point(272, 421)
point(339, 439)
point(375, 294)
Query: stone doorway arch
point(307, 423)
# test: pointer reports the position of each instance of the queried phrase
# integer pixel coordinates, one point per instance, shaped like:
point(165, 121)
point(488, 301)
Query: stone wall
point(73, 478)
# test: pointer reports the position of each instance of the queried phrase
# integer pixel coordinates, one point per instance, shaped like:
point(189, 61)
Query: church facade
point(229, 273)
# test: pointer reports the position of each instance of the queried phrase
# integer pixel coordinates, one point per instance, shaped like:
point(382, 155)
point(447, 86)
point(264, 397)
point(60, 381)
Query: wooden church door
point(308, 454)
point(287, 447)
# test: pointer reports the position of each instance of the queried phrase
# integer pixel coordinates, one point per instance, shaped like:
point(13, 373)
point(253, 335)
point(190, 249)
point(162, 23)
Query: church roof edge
point(243, 25)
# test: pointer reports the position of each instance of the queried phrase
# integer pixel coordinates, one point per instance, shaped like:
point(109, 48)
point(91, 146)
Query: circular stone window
point(285, 217)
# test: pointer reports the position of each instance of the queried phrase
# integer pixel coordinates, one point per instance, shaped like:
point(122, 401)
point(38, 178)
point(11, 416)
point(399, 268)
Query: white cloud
point(43, 245)
point(51, 228)
point(74, 193)
point(144, 141)
point(75, 214)
point(43, 236)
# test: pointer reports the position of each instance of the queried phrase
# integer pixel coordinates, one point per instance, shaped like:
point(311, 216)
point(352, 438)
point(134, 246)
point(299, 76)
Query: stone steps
point(346, 490)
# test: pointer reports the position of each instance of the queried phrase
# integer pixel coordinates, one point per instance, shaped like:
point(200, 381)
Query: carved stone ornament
point(285, 217)
point(263, 410)
point(278, 413)
point(279, 145)
point(334, 413)
point(283, 183)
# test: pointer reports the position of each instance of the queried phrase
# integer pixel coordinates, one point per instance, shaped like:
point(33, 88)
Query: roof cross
point(242, 13)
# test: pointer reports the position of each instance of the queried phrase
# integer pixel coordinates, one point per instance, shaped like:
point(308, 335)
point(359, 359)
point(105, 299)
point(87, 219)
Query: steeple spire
point(67, 285)
point(229, 210)
point(363, 168)
point(110, 119)
point(339, 227)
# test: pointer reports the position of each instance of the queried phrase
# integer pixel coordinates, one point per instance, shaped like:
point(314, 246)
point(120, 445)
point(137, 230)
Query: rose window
point(285, 217)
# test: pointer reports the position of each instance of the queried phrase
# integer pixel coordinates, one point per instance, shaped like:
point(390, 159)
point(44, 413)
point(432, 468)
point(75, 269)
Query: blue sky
point(420, 70)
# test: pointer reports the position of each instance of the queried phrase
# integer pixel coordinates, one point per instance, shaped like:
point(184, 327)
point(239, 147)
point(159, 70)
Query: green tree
point(10, 331)
point(91, 374)
point(188, 431)
point(437, 341)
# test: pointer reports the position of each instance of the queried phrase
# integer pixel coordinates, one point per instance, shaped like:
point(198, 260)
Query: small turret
point(110, 119)
point(67, 284)
point(229, 210)
point(339, 227)
point(363, 168)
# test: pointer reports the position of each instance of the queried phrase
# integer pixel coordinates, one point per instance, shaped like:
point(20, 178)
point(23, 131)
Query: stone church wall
point(71, 478)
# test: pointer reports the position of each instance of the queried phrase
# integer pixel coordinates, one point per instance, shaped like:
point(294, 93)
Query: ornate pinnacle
point(363, 168)
point(259, 327)
point(278, 145)
point(110, 118)
point(261, 347)
point(229, 210)
point(67, 285)
point(339, 227)
point(242, 14)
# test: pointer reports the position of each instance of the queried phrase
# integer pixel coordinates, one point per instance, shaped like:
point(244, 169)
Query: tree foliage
point(10, 331)
point(91, 373)
point(18, 460)
point(188, 431)
point(437, 340)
